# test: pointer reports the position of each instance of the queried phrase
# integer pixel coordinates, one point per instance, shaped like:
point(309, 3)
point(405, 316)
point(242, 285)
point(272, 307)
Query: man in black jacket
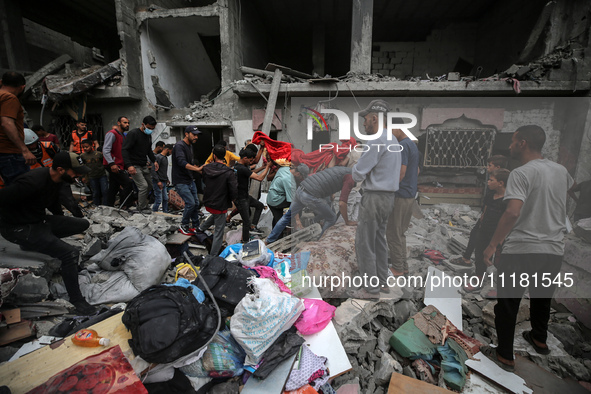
point(137, 151)
point(23, 220)
point(221, 189)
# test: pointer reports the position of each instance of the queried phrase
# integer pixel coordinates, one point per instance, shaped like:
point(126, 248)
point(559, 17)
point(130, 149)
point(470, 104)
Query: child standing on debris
point(494, 206)
point(97, 176)
point(493, 163)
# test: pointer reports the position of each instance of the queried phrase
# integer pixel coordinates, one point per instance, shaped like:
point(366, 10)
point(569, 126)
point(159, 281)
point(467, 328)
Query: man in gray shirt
point(379, 170)
point(533, 228)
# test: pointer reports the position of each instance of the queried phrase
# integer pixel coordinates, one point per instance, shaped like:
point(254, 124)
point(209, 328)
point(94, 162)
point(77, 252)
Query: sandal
point(491, 354)
point(460, 261)
point(541, 350)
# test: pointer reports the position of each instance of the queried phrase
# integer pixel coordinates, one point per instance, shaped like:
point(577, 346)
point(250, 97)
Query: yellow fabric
point(229, 158)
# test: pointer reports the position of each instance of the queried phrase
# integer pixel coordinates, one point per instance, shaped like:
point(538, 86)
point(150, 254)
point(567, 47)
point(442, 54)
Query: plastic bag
point(255, 253)
point(223, 358)
point(317, 315)
point(260, 318)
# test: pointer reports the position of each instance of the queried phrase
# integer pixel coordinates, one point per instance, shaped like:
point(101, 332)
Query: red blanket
point(319, 159)
point(277, 149)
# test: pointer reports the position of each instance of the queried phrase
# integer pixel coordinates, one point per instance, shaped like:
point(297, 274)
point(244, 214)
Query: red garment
point(51, 138)
point(215, 211)
point(319, 159)
point(116, 150)
point(277, 149)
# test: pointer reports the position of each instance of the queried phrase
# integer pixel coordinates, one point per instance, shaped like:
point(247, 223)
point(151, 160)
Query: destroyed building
point(471, 72)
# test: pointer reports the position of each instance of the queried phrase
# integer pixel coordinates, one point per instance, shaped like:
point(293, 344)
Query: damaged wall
point(173, 51)
point(435, 56)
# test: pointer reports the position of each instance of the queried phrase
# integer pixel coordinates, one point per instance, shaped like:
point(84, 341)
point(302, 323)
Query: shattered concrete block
point(482, 339)
point(100, 230)
point(367, 346)
point(30, 289)
point(404, 310)
point(569, 337)
point(471, 309)
point(385, 368)
point(488, 312)
point(383, 340)
point(92, 248)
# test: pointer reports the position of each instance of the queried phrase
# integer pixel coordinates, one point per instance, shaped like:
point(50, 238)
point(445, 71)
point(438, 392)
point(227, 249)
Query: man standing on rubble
point(182, 178)
point(379, 170)
point(399, 219)
point(113, 162)
point(533, 228)
point(23, 220)
point(15, 158)
point(221, 188)
point(137, 153)
point(80, 134)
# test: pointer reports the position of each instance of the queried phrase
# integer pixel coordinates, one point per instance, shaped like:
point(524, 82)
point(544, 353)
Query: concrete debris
point(384, 369)
point(29, 289)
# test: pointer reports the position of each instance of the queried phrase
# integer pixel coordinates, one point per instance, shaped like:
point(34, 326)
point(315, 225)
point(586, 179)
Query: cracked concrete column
point(361, 36)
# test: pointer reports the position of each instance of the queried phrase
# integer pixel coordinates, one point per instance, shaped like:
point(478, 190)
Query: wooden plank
point(49, 68)
point(34, 369)
point(15, 332)
point(403, 384)
point(274, 383)
point(260, 73)
point(12, 316)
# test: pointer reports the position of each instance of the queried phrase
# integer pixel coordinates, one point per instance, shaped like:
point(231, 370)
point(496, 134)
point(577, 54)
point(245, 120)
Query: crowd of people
point(522, 223)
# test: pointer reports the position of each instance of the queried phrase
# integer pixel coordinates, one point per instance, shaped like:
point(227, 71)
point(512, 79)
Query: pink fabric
point(268, 272)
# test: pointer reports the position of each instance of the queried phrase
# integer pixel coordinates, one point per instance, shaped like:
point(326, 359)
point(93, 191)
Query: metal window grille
point(62, 126)
point(458, 148)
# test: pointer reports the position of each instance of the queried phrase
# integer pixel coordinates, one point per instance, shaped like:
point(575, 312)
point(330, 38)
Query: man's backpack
point(167, 322)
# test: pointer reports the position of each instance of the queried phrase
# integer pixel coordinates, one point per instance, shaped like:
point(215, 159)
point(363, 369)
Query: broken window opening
point(181, 59)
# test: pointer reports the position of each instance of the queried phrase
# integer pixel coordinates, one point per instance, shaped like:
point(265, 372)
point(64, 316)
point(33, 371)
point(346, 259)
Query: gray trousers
point(219, 220)
point(370, 239)
point(143, 182)
point(398, 223)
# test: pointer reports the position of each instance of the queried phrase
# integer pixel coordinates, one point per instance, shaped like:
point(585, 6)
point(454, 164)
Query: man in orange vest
point(80, 134)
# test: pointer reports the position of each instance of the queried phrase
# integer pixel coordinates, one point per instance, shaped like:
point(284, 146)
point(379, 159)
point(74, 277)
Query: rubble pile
point(203, 110)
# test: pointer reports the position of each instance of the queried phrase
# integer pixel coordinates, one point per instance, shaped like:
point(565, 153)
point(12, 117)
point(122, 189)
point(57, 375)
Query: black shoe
point(256, 230)
point(84, 308)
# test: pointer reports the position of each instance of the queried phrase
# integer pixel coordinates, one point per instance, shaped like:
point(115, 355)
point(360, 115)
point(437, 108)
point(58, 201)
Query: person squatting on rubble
point(15, 158)
point(245, 201)
point(532, 228)
point(119, 181)
point(583, 208)
point(80, 134)
point(404, 200)
point(137, 154)
point(379, 170)
point(221, 189)
point(314, 193)
point(495, 162)
point(282, 188)
point(44, 153)
point(23, 220)
point(182, 178)
point(160, 179)
point(97, 177)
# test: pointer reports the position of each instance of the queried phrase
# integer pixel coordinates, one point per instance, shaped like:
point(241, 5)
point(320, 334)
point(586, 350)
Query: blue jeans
point(100, 188)
point(189, 195)
point(11, 166)
point(160, 195)
point(303, 199)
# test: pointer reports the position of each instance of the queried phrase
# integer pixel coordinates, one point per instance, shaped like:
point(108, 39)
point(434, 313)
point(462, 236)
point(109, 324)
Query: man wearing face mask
point(23, 219)
point(137, 153)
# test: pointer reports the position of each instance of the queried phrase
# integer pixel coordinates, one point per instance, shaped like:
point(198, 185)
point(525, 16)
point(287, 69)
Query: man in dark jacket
point(182, 178)
point(137, 151)
point(160, 179)
point(221, 189)
point(23, 220)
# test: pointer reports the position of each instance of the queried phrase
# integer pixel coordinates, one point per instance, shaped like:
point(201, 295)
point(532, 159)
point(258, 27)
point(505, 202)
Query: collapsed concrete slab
point(12, 256)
